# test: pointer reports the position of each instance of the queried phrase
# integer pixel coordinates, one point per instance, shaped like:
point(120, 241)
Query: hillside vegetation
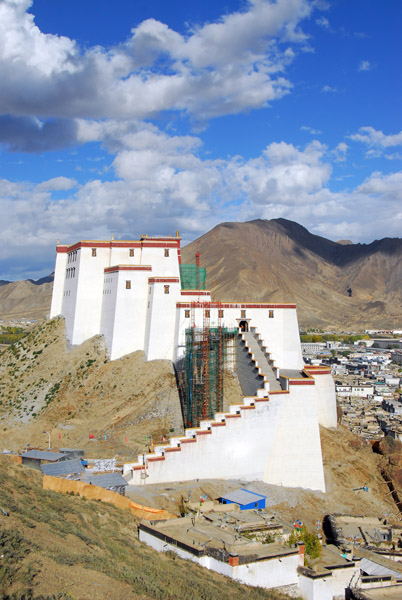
point(67, 548)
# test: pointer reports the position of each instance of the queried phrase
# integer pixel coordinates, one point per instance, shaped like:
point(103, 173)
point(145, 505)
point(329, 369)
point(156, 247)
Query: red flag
point(126, 440)
point(163, 439)
point(59, 436)
point(91, 436)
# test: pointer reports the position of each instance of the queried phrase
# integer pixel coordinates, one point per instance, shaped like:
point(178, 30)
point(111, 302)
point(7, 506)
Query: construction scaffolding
point(209, 350)
point(192, 277)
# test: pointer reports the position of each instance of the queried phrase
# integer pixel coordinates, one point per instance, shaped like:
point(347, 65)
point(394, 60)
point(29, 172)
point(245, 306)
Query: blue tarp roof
point(242, 497)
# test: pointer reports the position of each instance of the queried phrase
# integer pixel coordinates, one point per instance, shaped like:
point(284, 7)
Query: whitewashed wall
point(276, 440)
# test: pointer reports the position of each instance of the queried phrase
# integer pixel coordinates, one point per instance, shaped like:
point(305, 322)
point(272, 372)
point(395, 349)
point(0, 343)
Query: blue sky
point(149, 116)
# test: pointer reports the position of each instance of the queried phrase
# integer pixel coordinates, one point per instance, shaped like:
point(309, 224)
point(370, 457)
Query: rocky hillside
point(45, 386)
point(340, 285)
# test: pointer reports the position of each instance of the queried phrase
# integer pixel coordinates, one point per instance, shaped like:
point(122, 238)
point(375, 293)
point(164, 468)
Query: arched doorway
point(243, 325)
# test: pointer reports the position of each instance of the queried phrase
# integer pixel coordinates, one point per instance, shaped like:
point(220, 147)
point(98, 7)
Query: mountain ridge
point(338, 285)
point(334, 285)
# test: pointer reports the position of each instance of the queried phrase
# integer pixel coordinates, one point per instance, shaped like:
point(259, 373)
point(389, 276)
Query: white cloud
point(375, 138)
point(219, 68)
point(162, 183)
point(365, 65)
point(57, 184)
point(310, 130)
point(328, 88)
point(322, 22)
point(340, 152)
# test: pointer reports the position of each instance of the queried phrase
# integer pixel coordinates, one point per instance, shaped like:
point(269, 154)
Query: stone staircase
point(255, 368)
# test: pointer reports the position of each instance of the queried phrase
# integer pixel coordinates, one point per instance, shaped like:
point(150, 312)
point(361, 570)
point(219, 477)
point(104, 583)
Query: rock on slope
point(280, 261)
point(45, 386)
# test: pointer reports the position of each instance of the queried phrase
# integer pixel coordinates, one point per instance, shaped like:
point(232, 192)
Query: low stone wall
point(94, 492)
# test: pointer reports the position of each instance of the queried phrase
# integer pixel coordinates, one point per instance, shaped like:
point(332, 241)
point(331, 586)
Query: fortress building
point(140, 297)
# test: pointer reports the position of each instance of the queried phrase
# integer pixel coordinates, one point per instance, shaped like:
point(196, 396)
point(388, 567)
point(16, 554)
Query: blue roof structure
point(245, 499)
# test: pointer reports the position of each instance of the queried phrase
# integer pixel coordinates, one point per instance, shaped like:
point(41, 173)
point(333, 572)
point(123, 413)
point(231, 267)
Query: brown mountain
point(344, 286)
point(335, 284)
point(26, 299)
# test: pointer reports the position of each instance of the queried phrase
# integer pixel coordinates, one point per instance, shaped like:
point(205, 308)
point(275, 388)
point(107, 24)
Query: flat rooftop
point(200, 535)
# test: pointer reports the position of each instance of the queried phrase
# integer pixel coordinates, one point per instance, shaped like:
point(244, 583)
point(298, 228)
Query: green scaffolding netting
point(202, 377)
point(192, 277)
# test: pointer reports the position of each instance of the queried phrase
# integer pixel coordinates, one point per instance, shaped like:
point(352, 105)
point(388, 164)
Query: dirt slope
point(45, 386)
point(55, 546)
point(280, 261)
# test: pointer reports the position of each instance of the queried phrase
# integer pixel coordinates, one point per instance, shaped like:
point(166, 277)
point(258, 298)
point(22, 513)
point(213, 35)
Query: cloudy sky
point(147, 116)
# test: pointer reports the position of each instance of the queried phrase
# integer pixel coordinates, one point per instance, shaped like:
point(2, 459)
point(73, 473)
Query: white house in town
point(131, 292)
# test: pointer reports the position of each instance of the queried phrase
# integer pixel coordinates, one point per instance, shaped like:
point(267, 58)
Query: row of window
point(221, 313)
point(72, 256)
point(128, 287)
point(130, 252)
point(67, 293)
point(70, 272)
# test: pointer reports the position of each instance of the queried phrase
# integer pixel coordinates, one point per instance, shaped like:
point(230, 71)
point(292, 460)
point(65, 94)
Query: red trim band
point(163, 280)
point(127, 268)
point(230, 305)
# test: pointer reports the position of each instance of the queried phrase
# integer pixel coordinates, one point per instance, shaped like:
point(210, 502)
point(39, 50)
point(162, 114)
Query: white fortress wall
point(295, 459)
point(276, 440)
point(160, 342)
point(276, 324)
point(325, 396)
point(59, 279)
point(162, 254)
point(124, 326)
point(125, 253)
point(109, 307)
point(92, 262)
point(236, 447)
point(69, 304)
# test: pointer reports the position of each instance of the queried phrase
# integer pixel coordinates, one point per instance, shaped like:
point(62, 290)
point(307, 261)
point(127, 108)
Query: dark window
point(128, 285)
point(93, 251)
point(166, 252)
point(187, 314)
point(243, 314)
point(220, 313)
point(207, 314)
point(166, 289)
point(271, 314)
point(131, 251)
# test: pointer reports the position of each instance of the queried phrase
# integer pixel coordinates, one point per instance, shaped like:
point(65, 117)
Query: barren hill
point(334, 284)
point(25, 299)
point(71, 393)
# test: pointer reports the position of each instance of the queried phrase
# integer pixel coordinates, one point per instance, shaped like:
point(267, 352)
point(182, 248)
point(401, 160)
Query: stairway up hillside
point(253, 366)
